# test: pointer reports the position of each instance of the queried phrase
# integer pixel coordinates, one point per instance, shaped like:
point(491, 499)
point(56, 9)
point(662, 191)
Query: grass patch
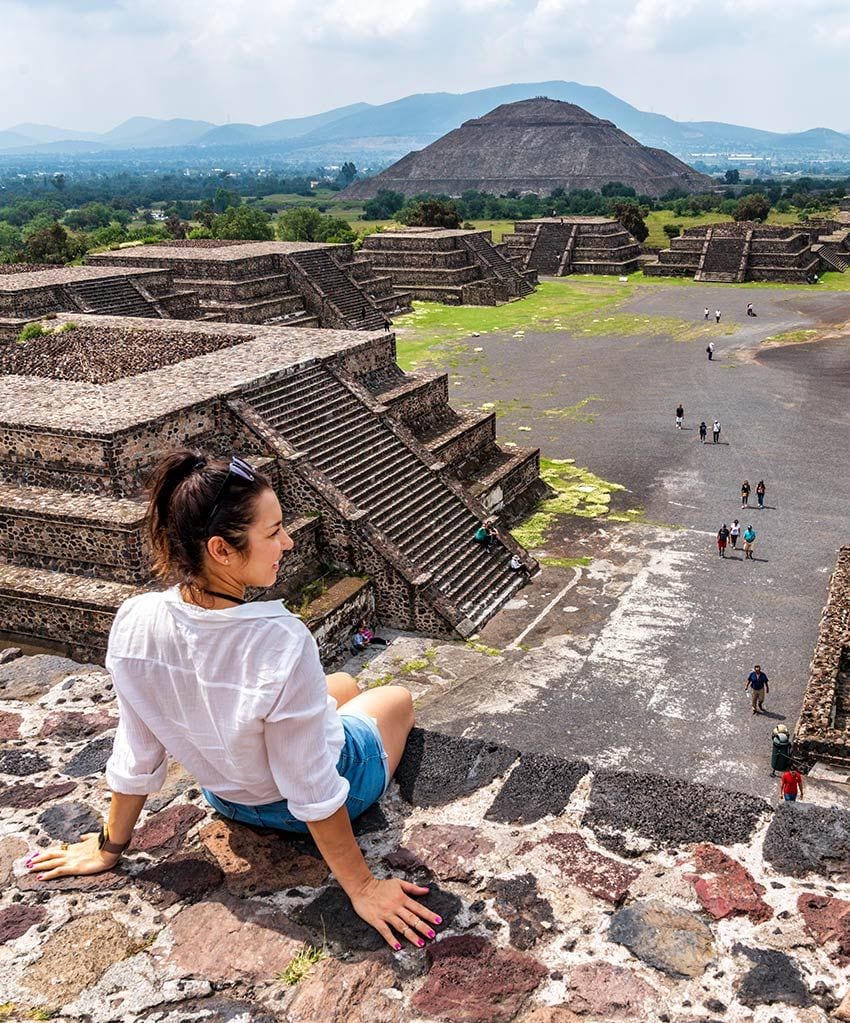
point(482, 648)
point(656, 220)
point(576, 412)
point(790, 337)
point(552, 561)
point(578, 491)
point(381, 680)
point(301, 964)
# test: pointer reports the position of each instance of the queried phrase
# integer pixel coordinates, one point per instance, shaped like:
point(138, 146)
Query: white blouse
point(238, 697)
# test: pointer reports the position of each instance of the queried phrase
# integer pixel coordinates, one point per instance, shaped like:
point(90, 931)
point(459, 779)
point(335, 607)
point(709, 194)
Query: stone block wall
point(823, 729)
point(333, 617)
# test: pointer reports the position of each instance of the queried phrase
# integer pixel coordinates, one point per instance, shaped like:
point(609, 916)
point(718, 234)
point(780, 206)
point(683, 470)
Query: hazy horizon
point(743, 61)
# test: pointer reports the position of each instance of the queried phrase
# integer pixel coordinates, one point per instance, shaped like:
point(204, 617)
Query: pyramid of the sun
point(534, 145)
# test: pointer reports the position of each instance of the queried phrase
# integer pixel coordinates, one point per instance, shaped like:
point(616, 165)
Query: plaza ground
point(632, 645)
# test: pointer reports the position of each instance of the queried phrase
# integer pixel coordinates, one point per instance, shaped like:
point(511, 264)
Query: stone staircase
point(406, 500)
point(723, 257)
point(111, 296)
point(833, 255)
point(498, 266)
point(336, 288)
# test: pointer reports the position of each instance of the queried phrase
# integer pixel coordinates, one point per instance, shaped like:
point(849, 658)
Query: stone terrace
point(29, 292)
point(823, 729)
point(452, 266)
point(377, 475)
point(567, 896)
point(730, 253)
point(558, 246)
point(290, 283)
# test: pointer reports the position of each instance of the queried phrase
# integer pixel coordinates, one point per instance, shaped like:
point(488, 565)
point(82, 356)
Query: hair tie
point(200, 464)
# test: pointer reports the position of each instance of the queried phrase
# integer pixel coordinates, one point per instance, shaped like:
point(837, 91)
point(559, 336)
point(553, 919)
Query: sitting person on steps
point(235, 692)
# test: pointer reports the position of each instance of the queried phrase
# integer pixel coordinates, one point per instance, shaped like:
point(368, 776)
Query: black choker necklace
point(225, 596)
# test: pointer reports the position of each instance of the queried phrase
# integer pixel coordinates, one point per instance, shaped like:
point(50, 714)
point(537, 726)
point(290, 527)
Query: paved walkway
point(650, 674)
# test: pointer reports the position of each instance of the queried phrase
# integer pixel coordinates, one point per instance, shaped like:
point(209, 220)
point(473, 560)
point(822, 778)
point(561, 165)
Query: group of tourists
point(729, 535)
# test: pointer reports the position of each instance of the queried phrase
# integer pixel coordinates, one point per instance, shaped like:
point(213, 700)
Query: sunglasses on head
point(238, 467)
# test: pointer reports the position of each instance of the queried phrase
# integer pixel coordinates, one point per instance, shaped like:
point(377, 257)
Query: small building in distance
point(557, 246)
point(731, 252)
point(534, 145)
point(382, 483)
point(454, 266)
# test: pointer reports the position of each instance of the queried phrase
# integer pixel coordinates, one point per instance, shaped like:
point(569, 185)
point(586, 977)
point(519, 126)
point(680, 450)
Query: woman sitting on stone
point(236, 693)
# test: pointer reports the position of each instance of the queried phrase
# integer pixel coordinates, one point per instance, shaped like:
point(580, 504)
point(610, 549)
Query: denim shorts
point(362, 761)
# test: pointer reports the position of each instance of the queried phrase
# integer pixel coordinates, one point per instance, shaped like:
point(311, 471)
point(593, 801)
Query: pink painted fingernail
point(431, 934)
point(420, 943)
point(28, 864)
point(39, 877)
point(438, 919)
point(397, 947)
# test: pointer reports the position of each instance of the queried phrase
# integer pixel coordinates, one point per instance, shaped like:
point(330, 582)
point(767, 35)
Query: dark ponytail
point(194, 497)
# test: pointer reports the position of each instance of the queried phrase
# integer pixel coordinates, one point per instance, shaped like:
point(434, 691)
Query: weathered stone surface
point(828, 920)
point(91, 759)
point(437, 769)
point(470, 980)
point(374, 820)
point(668, 938)
point(75, 725)
point(843, 1011)
point(538, 786)
point(11, 849)
point(27, 677)
point(177, 781)
point(609, 992)
point(11, 653)
point(774, 978)
point(255, 862)
point(179, 877)
point(551, 1014)
point(10, 724)
point(74, 957)
point(132, 987)
point(67, 822)
point(602, 876)
point(22, 762)
point(17, 920)
point(25, 796)
point(337, 992)
point(518, 903)
point(450, 851)
point(230, 939)
point(213, 1010)
point(94, 883)
point(725, 888)
point(804, 838)
point(330, 917)
point(668, 812)
point(166, 829)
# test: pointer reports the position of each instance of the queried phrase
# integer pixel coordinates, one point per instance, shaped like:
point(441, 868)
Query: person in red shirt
point(791, 785)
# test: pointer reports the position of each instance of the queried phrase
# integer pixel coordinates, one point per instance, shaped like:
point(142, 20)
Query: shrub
point(31, 331)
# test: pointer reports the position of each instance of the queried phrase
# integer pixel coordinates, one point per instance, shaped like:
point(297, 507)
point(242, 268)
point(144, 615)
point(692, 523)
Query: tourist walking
point(717, 316)
point(760, 489)
point(234, 690)
point(710, 350)
point(715, 432)
point(703, 432)
point(734, 533)
point(758, 685)
point(791, 785)
point(680, 416)
point(722, 538)
point(707, 314)
point(745, 494)
point(749, 540)
point(780, 753)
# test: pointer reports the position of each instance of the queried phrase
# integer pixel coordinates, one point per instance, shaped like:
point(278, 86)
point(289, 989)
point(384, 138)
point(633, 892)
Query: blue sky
point(89, 64)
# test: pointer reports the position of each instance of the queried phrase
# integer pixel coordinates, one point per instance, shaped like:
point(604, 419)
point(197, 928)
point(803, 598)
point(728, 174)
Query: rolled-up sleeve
point(139, 762)
point(296, 732)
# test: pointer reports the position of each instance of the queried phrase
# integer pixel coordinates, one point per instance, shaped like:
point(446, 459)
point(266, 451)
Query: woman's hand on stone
point(387, 906)
point(70, 859)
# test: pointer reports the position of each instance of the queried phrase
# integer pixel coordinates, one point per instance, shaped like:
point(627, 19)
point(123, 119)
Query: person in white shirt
point(236, 693)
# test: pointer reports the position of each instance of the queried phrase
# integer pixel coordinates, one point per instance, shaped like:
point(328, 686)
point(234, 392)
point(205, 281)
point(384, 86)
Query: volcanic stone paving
point(586, 897)
point(655, 680)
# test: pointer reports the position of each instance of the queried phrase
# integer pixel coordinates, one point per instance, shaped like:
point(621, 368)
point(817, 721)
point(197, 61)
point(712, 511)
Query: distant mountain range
point(387, 131)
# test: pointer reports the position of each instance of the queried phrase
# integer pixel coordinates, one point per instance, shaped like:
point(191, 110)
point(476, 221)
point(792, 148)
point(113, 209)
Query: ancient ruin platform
point(558, 246)
point(566, 894)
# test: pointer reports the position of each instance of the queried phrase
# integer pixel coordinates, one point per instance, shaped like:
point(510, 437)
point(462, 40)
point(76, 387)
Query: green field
point(656, 220)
